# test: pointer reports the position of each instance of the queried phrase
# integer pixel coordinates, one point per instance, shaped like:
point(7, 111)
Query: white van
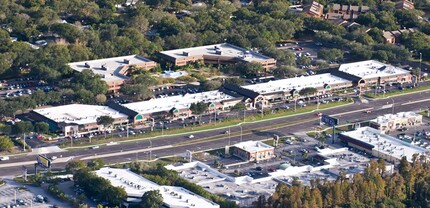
point(4, 158)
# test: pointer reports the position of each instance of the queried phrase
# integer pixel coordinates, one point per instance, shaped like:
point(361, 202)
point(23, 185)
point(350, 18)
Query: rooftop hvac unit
point(126, 61)
point(218, 52)
point(185, 53)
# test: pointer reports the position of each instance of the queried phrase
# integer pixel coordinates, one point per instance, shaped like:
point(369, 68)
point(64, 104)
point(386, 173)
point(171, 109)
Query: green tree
point(95, 164)
point(330, 54)
point(239, 106)
point(41, 127)
point(23, 127)
point(151, 199)
point(6, 144)
point(75, 165)
point(282, 72)
point(209, 85)
point(199, 108)
point(308, 91)
point(106, 121)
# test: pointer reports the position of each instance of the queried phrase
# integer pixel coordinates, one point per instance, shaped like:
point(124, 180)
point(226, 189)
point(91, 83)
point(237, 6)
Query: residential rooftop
point(136, 185)
point(222, 49)
point(78, 113)
point(177, 102)
point(110, 69)
point(371, 69)
point(253, 146)
point(297, 83)
point(385, 144)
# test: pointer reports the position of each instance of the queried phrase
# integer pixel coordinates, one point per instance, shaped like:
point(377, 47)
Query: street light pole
point(295, 104)
point(229, 138)
point(241, 138)
point(244, 112)
point(150, 151)
point(392, 108)
point(421, 59)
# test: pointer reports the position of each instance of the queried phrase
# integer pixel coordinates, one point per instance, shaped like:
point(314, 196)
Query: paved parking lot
point(27, 194)
point(7, 197)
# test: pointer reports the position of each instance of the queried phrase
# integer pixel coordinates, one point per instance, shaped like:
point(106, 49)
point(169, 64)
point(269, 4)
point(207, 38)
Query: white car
point(191, 136)
point(95, 147)
point(4, 158)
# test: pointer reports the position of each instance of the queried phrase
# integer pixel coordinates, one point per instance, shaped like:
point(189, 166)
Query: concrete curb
point(206, 130)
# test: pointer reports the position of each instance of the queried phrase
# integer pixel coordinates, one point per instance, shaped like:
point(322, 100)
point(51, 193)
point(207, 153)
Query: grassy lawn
point(219, 125)
point(407, 90)
point(424, 113)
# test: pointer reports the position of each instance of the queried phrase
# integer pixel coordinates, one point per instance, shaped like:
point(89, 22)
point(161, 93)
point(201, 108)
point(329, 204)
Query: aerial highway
point(211, 139)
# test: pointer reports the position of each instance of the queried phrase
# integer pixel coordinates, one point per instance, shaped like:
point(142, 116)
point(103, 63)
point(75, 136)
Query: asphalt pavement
point(177, 145)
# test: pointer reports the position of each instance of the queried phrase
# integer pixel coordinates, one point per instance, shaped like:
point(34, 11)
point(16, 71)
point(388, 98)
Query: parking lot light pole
point(127, 128)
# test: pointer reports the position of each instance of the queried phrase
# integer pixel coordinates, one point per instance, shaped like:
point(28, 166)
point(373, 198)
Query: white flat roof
point(224, 49)
point(371, 69)
point(136, 185)
point(78, 113)
point(284, 85)
point(392, 117)
point(384, 143)
point(112, 66)
point(253, 146)
point(178, 102)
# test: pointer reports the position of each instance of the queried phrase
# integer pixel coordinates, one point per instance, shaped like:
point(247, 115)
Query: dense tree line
point(98, 29)
point(409, 187)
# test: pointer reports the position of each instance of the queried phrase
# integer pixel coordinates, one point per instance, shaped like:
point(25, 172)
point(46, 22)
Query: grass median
point(397, 93)
point(230, 122)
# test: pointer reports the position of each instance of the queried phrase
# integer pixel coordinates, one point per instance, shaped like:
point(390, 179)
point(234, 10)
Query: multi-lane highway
point(173, 145)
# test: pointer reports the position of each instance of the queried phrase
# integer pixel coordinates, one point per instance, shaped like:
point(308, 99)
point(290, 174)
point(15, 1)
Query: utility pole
point(24, 142)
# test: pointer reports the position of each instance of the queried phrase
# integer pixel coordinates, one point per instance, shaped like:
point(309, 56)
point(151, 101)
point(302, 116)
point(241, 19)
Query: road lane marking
point(125, 152)
point(417, 101)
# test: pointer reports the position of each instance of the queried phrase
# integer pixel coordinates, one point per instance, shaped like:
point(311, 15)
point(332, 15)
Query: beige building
point(253, 151)
point(223, 53)
point(114, 70)
point(77, 119)
point(371, 72)
point(174, 107)
point(391, 122)
point(260, 95)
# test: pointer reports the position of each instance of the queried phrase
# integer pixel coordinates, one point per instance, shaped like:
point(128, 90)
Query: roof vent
point(104, 67)
point(87, 65)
